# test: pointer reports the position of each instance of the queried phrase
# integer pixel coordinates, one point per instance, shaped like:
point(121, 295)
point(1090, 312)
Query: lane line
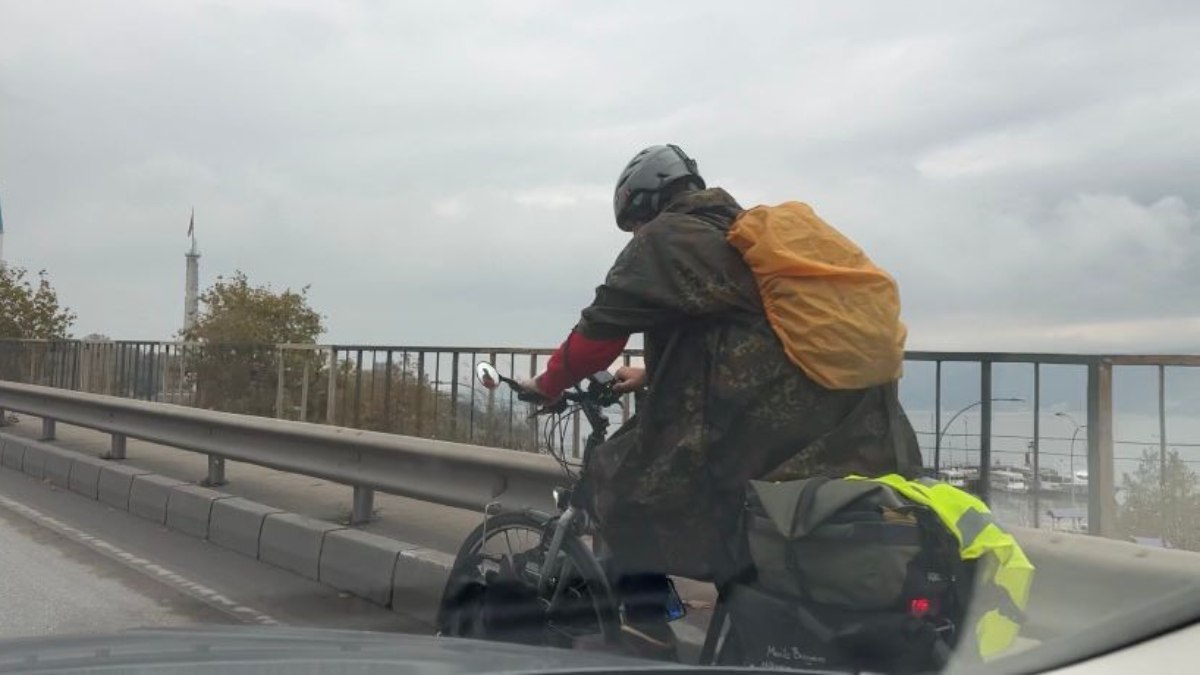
point(163, 575)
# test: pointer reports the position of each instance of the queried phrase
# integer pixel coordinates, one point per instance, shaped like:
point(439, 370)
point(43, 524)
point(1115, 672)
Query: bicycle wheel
point(576, 608)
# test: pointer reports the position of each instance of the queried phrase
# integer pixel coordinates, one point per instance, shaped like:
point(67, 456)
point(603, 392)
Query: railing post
point(1162, 436)
point(48, 429)
point(330, 404)
point(490, 437)
point(279, 384)
point(304, 392)
point(3, 417)
point(454, 357)
point(117, 447)
point(1036, 487)
point(1102, 504)
point(387, 392)
point(356, 414)
point(533, 420)
point(937, 418)
point(419, 403)
point(985, 429)
point(364, 505)
point(216, 471)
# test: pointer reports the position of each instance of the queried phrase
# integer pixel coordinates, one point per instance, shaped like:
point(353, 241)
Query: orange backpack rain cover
point(837, 314)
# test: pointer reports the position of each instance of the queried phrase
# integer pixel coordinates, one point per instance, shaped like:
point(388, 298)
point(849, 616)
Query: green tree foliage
point(235, 365)
point(1170, 508)
point(237, 312)
point(31, 310)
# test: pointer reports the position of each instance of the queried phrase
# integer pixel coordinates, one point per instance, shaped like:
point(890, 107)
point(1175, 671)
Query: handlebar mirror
point(487, 375)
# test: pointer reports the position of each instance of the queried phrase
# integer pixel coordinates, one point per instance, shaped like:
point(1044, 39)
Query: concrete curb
point(115, 483)
point(361, 563)
point(294, 543)
point(149, 494)
point(421, 574)
point(236, 524)
point(34, 461)
point(85, 476)
point(57, 468)
point(14, 452)
point(189, 508)
point(384, 571)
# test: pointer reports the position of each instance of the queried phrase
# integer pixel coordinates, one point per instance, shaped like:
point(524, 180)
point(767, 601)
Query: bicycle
point(552, 561)
point(561, 594)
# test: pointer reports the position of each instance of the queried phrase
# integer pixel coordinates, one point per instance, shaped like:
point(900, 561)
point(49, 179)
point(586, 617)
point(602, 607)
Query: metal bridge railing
point(430, 392)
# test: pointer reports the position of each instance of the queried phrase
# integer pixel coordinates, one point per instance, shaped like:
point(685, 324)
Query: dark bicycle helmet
point(638, 197)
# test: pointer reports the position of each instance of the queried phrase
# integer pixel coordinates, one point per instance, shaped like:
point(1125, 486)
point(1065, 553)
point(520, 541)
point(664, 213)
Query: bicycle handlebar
point(599, 393)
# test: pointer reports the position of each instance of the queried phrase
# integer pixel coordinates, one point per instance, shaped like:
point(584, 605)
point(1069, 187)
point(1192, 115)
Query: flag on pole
point(192, 224)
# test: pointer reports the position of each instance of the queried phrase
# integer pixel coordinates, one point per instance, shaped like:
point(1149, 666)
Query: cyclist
point(722, 403)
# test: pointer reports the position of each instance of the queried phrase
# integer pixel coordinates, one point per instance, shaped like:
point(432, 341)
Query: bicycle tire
point(603, 601)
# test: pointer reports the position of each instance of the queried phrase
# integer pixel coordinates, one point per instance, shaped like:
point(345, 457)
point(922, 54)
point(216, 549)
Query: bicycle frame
point(567, 517)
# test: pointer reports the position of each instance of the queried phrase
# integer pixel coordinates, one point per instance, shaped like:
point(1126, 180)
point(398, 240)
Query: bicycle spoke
point(508, 543)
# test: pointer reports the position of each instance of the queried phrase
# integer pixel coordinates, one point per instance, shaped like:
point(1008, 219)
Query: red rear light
point(919, 607)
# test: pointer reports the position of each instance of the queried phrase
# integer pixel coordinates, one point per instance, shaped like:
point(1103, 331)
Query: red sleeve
point(577, 358)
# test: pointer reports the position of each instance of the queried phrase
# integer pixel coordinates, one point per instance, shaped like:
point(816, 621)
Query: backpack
point(836, 313)
point(847, 574)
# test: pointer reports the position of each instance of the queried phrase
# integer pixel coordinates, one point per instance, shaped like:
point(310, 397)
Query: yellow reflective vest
point(1002, 563)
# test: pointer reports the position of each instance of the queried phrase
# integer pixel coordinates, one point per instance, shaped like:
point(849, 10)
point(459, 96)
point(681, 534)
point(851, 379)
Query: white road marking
point(177, 581)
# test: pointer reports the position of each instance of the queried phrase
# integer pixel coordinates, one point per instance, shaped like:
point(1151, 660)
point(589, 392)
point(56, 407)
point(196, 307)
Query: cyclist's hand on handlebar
point(630, 379)
point(530, 392)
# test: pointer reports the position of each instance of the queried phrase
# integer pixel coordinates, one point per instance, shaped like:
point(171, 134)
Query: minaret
point(191, 293)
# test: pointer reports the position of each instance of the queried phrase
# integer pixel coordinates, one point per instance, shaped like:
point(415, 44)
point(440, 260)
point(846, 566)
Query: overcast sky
point(441, 173)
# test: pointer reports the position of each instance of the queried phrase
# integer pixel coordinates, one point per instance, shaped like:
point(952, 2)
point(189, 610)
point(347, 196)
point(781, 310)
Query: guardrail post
point(3, 417)
point(216, 471)
point(117, 448)
point(48, 429)
point(364, 505)
point(1102, 503)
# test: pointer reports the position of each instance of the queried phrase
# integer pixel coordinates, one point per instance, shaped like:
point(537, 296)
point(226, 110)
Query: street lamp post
point(937, 445)
point(1071, 451)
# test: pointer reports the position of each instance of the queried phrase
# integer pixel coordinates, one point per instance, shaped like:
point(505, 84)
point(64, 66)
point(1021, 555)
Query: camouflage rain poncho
point(724, 405)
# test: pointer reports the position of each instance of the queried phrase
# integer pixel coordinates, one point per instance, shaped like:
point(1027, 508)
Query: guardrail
point(441, 472)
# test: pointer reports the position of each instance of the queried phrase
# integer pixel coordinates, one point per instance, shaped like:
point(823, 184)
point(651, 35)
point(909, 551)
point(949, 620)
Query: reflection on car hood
point(253, 649)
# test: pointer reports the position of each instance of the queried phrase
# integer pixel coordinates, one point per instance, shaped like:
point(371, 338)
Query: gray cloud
point(440, 172)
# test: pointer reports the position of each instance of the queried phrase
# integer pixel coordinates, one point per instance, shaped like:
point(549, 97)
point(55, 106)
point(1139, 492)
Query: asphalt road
point(51, 586)
point(70, 565)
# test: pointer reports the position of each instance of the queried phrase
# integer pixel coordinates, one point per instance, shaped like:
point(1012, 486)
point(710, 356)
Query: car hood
point(255, 649)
